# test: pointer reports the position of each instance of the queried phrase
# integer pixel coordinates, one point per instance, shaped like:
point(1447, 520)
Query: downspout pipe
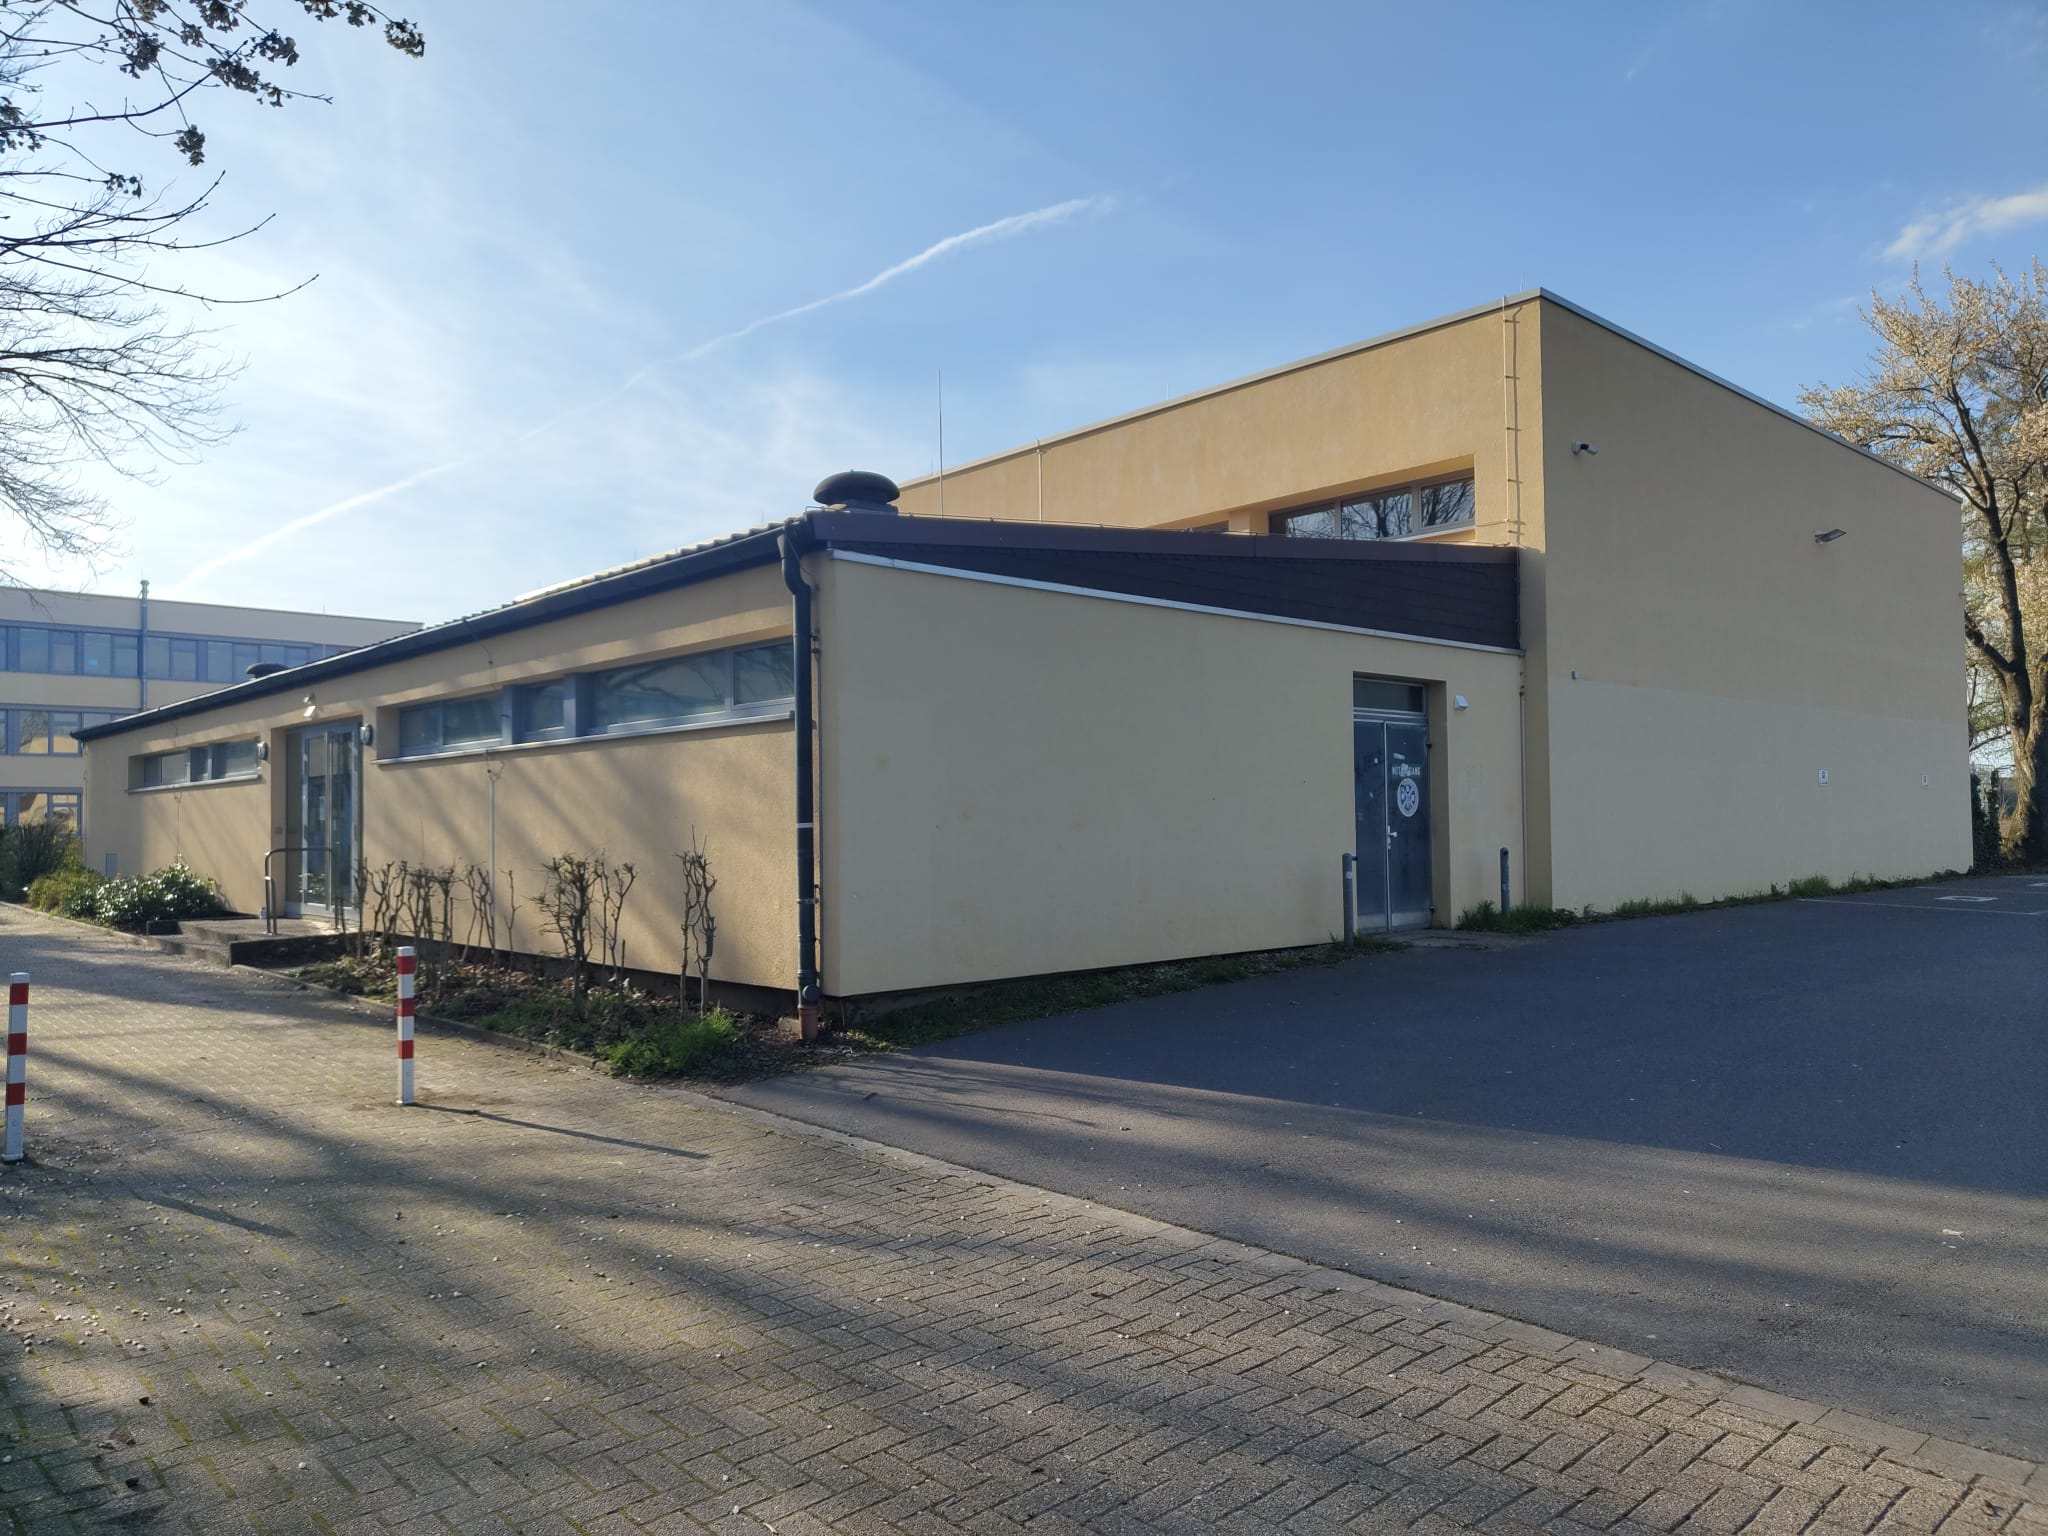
point(808, 994)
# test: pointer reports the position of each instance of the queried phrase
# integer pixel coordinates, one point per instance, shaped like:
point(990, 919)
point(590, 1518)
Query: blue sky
point(525, 242)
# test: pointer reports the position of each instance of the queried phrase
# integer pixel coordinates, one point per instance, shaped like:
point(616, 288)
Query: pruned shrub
point(168, 895)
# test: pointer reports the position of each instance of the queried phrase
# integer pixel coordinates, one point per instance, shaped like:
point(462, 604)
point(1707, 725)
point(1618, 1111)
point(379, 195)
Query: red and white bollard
point(17, 1063)
point(406, 964)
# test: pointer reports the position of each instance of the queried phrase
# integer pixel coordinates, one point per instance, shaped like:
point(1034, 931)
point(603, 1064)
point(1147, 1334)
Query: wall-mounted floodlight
point(311, 708)
point(1586, 448)
point(1458, 701)
point(1830, 536)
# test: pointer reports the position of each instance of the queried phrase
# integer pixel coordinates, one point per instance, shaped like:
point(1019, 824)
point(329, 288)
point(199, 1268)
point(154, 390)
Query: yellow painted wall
point(1428, 401)
point(1724, 659)
point(1019, 782)
point(636, 797)
point(1461, 393)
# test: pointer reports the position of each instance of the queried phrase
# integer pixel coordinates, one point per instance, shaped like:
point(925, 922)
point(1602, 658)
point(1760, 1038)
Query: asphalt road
point(1804, 1145)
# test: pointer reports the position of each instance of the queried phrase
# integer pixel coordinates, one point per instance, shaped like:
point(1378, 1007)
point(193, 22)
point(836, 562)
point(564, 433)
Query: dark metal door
point(1390, 762)
point(1408, 861)
point(1369, 763)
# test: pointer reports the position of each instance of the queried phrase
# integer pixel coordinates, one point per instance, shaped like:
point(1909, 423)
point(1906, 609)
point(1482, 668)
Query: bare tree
point(700, 928)
point(1957, 394)
point(567, 901)
point(100, 361)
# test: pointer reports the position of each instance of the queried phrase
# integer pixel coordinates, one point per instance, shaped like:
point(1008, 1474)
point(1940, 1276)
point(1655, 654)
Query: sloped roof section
point(1461, 594)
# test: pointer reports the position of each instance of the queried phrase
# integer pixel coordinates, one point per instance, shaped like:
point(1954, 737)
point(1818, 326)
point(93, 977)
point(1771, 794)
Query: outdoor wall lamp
point(1458, 701)
point(1830, 536)
point(1586, 448)
point(369, 734)
point(311, 708)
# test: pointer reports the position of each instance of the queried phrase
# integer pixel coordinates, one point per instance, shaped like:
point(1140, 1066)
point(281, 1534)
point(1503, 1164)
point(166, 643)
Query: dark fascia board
point(820, 529)
point(876, 532)
point(685, 568)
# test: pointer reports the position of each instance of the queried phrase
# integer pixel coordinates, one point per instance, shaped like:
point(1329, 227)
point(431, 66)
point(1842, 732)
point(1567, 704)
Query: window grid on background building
point(25, 807)
point(50, 649)
point(31, 730)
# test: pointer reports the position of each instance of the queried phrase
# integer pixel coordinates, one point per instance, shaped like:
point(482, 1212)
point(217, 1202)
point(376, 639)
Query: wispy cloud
point(500, 444)
point(1936, 234)
point(311, 520)
point(985, 234)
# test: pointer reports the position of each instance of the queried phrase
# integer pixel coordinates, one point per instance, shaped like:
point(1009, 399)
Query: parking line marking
point(1916, 906)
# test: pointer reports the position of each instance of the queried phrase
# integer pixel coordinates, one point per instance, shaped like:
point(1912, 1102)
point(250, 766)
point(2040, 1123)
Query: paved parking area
point(240, 1291)
point(1802, 1144)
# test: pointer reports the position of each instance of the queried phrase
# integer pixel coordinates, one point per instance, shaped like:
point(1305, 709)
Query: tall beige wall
point(1723, 659)
point(1462, 393)
point(1435, 400)
point(638, 798)
point(1019, 782)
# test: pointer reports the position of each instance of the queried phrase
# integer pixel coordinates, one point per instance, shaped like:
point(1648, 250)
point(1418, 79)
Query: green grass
point(1487, 918)
point(677, 1045)
point(1018, 1001)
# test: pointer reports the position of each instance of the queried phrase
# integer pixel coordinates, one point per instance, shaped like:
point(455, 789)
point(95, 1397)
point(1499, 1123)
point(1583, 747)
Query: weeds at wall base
point(1488, 918)
point(1045, 997)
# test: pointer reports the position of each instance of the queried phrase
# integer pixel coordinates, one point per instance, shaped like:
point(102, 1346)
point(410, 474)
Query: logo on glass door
point(1408, 797)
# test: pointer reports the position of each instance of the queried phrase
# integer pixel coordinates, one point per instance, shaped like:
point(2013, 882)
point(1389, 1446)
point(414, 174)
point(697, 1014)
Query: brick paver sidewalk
point(241, 1290)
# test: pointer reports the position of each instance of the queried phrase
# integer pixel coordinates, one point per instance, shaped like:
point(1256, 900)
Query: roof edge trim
point(1386, 338)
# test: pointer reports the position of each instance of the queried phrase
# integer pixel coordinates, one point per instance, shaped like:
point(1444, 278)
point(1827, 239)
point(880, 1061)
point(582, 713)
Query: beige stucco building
point(1510, 582)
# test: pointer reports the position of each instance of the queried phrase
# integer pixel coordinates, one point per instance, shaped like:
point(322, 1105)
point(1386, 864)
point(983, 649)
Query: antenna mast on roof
point(942, 442)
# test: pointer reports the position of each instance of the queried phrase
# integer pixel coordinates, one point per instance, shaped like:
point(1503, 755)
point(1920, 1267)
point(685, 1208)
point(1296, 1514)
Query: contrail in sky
point(1001, 229)
point(985, 234)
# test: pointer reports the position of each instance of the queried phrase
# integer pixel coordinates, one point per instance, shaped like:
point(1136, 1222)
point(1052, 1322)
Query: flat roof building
point(72, 659)
point(1512, 582)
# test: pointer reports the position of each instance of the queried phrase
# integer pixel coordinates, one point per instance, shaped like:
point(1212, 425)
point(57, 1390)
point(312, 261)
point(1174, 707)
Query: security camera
point(1586, 448)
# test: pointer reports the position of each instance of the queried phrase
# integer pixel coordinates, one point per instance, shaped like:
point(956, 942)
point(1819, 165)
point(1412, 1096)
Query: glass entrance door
point(327, 773)
point(1390, 764)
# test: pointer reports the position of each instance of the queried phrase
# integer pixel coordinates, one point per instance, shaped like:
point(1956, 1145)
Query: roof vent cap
point(858, 490)
point(262, 668)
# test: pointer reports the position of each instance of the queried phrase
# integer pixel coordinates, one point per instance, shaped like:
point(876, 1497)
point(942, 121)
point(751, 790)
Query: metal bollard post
point(407, 961)
point(1350, 898)
point(1504, 903)
point(17, 1063)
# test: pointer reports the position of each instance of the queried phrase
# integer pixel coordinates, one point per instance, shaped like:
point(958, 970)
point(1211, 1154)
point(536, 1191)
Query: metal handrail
point(269, 886)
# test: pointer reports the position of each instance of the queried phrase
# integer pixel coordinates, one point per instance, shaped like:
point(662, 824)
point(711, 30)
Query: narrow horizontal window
point(471, 722)
point(764, 674)
point(1399, 512)
point(705, 687)
point(1384, 694)
point(660, 692)
point(196, 765)
point(419, 729)
point(541, 712)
